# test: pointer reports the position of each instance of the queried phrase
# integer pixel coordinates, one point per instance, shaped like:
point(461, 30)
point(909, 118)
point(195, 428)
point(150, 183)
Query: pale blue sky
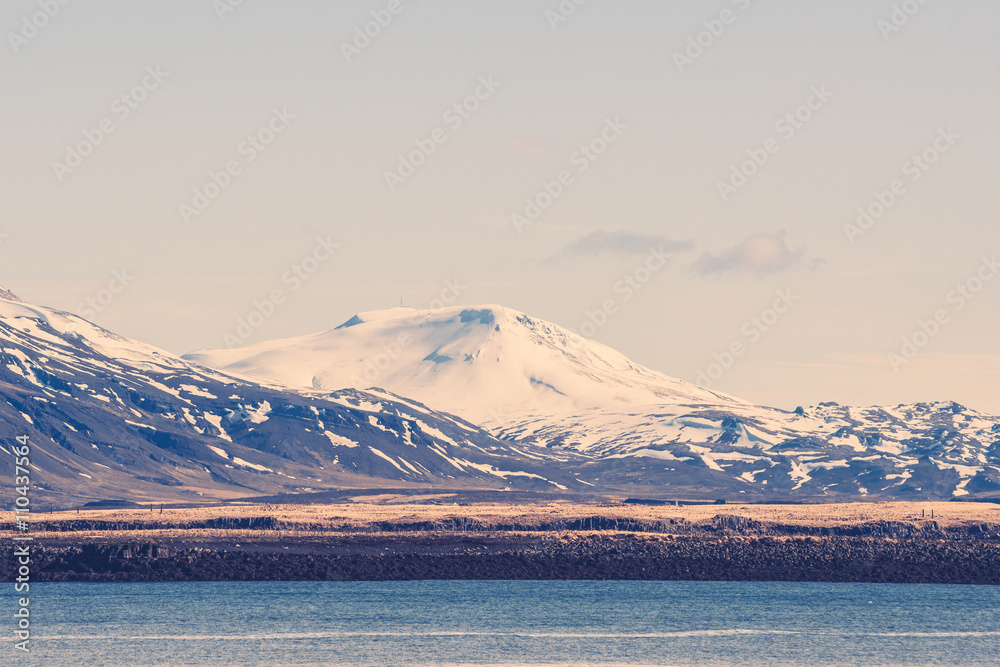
point(324, 176)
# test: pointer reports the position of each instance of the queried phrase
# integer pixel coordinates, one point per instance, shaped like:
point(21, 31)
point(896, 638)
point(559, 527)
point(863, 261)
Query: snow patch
point(221, 452)
point(240, 462)
point(387, 458)
point(339, 440)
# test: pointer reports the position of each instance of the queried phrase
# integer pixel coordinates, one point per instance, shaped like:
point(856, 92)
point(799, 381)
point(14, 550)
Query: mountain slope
point(535, 384)
point(111, 417)
point(487, 364)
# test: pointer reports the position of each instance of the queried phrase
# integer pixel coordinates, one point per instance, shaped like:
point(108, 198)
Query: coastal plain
point(391, 535)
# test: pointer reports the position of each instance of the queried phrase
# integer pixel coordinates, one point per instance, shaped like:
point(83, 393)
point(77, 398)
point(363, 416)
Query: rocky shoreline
point(720, 524)
point(728, 549)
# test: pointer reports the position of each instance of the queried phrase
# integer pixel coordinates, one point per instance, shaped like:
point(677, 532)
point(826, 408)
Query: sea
point(507, 623)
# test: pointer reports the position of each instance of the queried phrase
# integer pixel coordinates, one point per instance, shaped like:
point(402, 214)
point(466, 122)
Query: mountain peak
point(462, 313)
point(7, 295)
point(475, 361)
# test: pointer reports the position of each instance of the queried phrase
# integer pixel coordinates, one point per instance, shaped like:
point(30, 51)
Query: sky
point(787, 201)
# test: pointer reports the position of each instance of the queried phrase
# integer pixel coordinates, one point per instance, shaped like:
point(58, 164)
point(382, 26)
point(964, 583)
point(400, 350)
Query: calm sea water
point(497, 622)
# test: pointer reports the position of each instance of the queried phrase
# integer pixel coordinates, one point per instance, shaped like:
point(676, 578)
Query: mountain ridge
point(111, 417)
point(443, 355)
point(520, 387)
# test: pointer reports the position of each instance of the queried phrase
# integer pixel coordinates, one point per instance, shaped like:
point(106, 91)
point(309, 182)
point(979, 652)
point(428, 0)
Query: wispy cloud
point(763, 253)
point(621, 244)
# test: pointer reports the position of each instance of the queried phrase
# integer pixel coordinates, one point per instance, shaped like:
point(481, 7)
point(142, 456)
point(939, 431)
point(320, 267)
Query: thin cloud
point(763, 253)
point(619, 244)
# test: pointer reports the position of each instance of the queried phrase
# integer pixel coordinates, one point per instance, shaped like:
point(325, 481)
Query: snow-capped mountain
point(488, 364)
point(109, 417)
point(536, 384)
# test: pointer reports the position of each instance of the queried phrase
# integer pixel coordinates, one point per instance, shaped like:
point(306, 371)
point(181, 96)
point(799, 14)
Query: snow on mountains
point(487, 364)
point(109, 417)
point(540, 386)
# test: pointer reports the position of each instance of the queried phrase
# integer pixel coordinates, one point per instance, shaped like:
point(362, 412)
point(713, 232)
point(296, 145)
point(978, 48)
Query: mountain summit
point(110, 417)
point(484, 363)
point(7, 295)
point(547, 390)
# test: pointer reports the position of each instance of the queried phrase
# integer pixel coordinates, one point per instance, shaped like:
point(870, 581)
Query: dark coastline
point(521, 556)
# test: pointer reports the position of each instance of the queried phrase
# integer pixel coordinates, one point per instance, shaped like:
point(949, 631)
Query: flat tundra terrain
point(372, 510)
point(397, 537)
